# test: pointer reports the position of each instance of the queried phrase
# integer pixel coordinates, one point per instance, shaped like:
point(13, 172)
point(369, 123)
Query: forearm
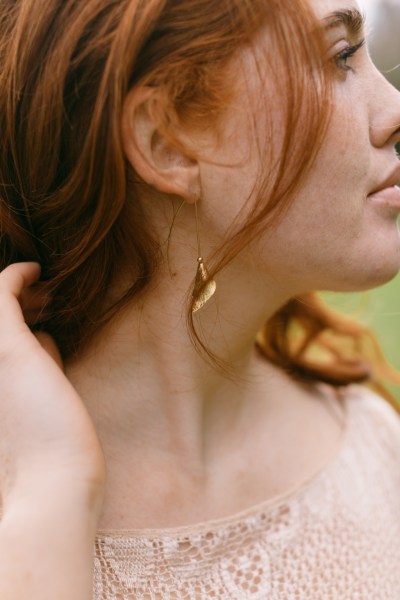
point(46, 546)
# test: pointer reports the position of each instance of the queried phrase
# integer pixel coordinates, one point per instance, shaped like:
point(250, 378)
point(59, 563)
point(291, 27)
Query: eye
point(344, 55)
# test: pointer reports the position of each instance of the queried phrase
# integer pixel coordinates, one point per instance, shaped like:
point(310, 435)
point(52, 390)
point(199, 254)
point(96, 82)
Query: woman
point(252, 142)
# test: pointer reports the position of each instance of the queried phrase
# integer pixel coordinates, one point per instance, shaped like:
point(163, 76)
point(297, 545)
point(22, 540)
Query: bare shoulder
point(360, 395)
point(373, 411)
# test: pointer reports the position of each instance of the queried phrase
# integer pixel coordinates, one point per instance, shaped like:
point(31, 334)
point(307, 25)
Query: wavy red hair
point(65, 69)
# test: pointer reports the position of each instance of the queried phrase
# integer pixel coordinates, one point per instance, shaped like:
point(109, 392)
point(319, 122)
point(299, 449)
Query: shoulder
point(360, 398)
point(373, 416)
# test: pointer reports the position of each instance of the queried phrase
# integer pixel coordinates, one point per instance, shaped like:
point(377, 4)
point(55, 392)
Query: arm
point(52, 468)
point(47, 541)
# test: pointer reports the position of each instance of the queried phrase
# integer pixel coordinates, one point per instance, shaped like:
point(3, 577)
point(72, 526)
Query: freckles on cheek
point(341, 172)
point(349, 138)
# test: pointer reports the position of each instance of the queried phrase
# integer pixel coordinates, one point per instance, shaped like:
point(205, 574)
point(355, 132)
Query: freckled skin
point(357, 241)
point(180, 425)
point(332, 237)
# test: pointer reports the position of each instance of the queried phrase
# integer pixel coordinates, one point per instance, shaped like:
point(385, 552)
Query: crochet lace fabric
point(336, 537)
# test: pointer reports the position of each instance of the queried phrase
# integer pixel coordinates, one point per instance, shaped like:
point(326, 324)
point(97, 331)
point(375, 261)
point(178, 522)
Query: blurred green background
point(380, 310)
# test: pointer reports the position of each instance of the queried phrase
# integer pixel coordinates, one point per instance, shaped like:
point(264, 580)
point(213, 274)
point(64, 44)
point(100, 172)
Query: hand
point(45, 429)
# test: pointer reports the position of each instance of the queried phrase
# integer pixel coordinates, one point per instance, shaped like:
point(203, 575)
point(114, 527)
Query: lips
point(393, 180)
point(389, 197)
point(388, 191)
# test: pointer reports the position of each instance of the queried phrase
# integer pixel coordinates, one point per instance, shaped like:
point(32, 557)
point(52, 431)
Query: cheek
point(337, 243)
point(344, 162)
point(334, 193)
point(331, 238)
point(330, 206)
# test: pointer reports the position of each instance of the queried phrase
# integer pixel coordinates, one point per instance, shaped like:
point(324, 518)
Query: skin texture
point(201, 445)
point(360, 247)
point(181, 441)
point(51, 463)
point(178, 440)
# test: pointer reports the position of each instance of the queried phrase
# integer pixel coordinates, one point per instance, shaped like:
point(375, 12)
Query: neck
point(147, 387)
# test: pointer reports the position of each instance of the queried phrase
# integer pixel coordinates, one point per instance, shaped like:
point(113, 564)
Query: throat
point(254, 468)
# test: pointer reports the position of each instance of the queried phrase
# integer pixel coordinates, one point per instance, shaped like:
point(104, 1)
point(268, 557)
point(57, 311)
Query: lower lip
point(389, 197)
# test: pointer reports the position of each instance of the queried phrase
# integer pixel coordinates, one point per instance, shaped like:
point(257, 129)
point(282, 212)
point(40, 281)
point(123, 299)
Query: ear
point(160, 164)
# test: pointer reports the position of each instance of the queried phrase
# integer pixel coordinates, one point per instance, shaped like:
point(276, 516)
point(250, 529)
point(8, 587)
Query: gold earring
point(204, 285)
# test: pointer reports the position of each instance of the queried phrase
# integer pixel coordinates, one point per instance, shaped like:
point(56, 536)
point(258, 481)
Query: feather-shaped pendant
point(204, 286)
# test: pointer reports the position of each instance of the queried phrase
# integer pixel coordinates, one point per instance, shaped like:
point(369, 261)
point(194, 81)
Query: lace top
point(337, 536)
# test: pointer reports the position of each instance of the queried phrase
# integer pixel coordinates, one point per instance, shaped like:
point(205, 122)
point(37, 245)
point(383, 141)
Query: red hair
point(65, 69)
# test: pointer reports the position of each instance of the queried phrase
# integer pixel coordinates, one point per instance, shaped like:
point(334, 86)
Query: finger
point(16, 277)
point(13, 280)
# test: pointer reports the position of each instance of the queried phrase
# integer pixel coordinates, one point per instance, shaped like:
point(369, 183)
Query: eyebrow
point(352, 19)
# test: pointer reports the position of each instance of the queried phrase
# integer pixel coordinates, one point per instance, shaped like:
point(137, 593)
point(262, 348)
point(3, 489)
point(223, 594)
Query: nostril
point(396, 140)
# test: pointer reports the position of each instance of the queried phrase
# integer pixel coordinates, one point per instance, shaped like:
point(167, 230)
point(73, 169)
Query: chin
point(367, 279)
point(380, 259)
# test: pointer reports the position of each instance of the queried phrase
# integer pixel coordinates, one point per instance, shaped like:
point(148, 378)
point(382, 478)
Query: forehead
point(324, 8)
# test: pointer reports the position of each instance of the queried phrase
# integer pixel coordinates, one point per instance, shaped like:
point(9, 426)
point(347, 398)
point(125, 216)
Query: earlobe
point(154, 158)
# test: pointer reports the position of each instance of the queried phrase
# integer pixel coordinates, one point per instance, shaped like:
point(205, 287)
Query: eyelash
point(344, 55)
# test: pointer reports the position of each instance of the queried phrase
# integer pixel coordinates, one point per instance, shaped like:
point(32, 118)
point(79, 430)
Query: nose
point(384, 109)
